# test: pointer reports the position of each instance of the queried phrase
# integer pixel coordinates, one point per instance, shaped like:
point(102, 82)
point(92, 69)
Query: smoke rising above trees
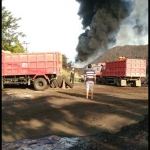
point(101, 20)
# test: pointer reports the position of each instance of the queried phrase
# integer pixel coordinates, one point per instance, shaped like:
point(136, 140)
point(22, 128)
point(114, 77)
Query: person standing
point(101, 71)
point(102, 68)
point(72, 74)
point(89, 80)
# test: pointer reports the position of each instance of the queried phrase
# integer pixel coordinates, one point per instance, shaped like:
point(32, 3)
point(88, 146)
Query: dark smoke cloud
point(134, 29)
point(100, 19)
point(138, 27)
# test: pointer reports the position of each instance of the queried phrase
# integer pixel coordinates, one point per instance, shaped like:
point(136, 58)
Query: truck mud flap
point(136, 83)
point(121, 82)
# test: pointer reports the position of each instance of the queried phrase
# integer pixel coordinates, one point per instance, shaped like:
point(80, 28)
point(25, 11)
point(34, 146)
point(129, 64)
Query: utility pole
point(26, 45)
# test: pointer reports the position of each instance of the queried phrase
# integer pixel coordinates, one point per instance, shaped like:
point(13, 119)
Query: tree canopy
point(10, 35)
point(64, 61)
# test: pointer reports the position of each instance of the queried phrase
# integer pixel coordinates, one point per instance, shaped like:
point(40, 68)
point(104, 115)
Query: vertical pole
point(26, 45)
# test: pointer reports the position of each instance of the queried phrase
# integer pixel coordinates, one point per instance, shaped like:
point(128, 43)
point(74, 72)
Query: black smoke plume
point(100, 19)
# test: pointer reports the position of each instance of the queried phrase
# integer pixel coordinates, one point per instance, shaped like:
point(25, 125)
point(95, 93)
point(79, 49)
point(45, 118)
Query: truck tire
point(59, 81)
point(55, 84)
point(107, 82)
point(118, 82)
point(103, 80)
point(52, 85)
point(133, 84)
point(97, 80)
point(67, 81)
point(40, 84)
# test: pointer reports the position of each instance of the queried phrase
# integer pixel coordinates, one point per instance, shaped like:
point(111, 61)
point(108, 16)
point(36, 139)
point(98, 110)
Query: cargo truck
point(124, 72)
point(37, 69)
point(97, 68)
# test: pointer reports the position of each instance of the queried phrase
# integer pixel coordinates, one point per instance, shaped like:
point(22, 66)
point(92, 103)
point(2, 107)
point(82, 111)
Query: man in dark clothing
point(72, 74)
point(89, 80)
point(102, 68)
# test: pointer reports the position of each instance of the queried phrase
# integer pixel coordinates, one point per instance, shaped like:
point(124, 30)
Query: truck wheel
point(59, 81)
point(118, 83)
point(97, 80)
point(52, 85)
point(67, 81)
point(107, 82)
point(55, 83)
point(40, 84)
point(133, 84)
point(103, 81)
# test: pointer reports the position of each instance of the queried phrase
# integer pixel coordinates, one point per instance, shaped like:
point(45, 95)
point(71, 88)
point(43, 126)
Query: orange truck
point(124, 72)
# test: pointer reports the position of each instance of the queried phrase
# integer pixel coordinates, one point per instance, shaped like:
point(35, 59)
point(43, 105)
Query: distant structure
point(26, 45)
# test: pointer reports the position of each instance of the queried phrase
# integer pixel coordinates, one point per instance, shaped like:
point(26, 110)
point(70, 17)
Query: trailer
point(37, 69)
point(124, 72)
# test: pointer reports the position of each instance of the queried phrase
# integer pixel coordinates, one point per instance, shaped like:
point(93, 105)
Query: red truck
point(124, 72)
point(97, 68)
point(39, 69)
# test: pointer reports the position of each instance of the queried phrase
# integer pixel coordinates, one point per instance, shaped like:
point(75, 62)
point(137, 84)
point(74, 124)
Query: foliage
point(17, 48)
point(64, 61)
point(66, 72)
point(66, 64)
point(70, 63)
point(10, 35)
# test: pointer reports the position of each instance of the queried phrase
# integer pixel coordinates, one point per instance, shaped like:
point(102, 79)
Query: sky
point(49, 25)
point(54, 26)
point(138, 18)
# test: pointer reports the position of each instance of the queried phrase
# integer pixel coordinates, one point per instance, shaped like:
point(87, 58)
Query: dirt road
point(27, 113)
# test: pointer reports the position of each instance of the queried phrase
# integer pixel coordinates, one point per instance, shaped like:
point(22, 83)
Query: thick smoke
point(134, 29)
point(106, 22)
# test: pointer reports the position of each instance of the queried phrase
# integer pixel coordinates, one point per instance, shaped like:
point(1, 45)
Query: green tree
point(64, 61)
point(10, 35)
point(17, 47)
point(70, 63)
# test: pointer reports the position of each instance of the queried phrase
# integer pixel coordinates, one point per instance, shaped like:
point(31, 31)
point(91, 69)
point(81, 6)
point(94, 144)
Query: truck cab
point(97, 68)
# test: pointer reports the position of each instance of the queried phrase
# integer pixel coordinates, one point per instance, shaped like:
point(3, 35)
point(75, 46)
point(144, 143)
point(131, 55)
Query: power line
point(26, 45)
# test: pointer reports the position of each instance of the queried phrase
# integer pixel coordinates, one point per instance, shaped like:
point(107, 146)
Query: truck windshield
point(96, 68)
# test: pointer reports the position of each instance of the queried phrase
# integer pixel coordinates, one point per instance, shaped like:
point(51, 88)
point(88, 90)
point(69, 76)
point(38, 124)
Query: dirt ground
point(27, 113)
